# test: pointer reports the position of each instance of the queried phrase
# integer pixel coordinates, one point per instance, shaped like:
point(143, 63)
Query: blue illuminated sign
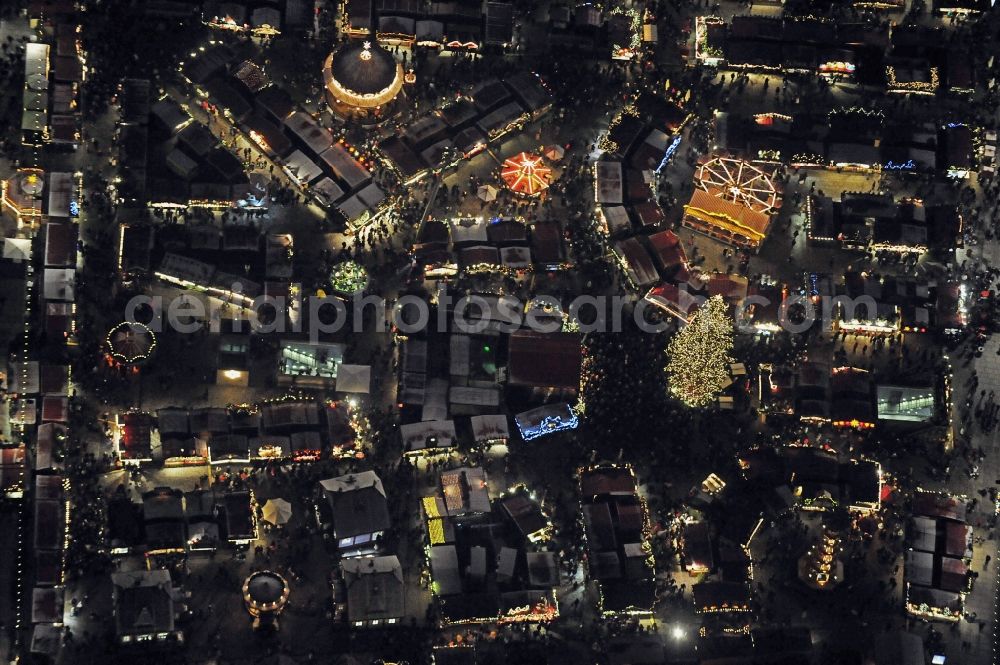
point(74, 209)
point(669, 152)
point(541, 421)
point(905, 166)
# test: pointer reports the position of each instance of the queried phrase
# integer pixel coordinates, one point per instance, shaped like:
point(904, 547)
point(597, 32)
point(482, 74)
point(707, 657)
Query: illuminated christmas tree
point(698, 368)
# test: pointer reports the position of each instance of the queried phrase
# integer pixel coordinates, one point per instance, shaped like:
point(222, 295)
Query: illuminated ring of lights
point(263, 605)
point(740, 182)
point(125, 342)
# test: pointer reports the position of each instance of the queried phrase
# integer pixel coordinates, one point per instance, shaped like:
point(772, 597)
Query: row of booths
point(296, 430)
point(854, 137)
point(170, 522)
point(901, 59)
point(234, 263)
point(879, 222)
point(848, 396)
point(938, 560)
point(53, 74)
point(186, 165)
point(261, 18)
point(640, 142)
point(858, 303)
point(619, 555)
point(487, 555)
point(44, 411)
point(58, 279)
point(464, 245)
point(50, 523)
point(444, 25)
point(335, 173)
point(463, 128)
point(471, 27)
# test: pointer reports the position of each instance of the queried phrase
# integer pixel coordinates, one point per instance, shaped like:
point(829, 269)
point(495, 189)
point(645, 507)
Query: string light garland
point(699, 355)
point(605, 143)
point(703, 50)
point(919, 87)
point(621, 51)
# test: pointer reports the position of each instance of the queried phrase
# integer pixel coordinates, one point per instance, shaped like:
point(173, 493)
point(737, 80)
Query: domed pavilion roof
point(363, 74)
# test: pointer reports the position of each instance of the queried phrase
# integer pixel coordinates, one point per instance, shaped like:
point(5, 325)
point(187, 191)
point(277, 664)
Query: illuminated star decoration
point(525, 174)
point(698, 369)
point(367, 53)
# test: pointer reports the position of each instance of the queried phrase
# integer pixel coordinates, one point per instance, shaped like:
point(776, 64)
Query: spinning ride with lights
point(265, 594)
point(130, 343)
point(526, 174)
point(739, 182)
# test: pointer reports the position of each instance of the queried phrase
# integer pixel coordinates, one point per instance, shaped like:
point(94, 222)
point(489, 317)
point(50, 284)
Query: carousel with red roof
point(526, 174)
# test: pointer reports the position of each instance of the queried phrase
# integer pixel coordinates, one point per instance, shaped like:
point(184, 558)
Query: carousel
point(362, 81)
point(130, 343)
point(265, 594)
point(21, 196)
point(526, 174)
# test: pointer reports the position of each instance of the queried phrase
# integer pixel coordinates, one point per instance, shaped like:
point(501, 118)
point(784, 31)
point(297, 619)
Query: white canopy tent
point(277, 511)
point(490, 428)
point(428, 435)
point(17, 249)
point(487, 192)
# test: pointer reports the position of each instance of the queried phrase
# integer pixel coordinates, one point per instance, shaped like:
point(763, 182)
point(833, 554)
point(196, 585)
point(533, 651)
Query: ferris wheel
point(739, 182)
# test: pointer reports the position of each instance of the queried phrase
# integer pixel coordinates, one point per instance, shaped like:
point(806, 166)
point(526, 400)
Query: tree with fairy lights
point(699, 355)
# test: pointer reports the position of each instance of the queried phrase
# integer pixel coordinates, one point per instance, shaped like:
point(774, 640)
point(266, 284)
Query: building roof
point(345, 166)
point(143, 602)
point(169, 112)
point(358, 503)
point(550, 360)
point(710, 208)
point(638, 265)
point(12, 470)
point(607, 480)
point(375, 588)
point(396, 150)
point(525, 512)
point(444, 569)
point(60, 245)
point(312, 135)
point(465, 490)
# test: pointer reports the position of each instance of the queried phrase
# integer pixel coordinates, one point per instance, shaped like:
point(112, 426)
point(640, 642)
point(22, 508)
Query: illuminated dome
point(362, 75)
